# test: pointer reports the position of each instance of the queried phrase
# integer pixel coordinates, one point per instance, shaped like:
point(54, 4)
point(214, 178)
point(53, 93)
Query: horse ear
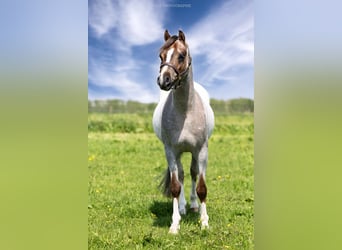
point(181, 35)
point(166, 35)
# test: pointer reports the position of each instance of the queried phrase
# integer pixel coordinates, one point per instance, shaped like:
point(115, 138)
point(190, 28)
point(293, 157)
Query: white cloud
point(126, 88)
point(134, 22)
point(140, 21)
point(224, 39)
point(103, 16)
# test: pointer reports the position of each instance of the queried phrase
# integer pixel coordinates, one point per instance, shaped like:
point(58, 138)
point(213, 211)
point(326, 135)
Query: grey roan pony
point(183, 120)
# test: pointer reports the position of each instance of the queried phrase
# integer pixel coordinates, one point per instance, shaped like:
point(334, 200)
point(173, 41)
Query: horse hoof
point(182, 211)
point(174, 229)
point(194, 209)
point(205, 225)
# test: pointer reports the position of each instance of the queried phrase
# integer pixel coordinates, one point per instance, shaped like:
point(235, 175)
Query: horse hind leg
point(182, 201)
point(193, 194)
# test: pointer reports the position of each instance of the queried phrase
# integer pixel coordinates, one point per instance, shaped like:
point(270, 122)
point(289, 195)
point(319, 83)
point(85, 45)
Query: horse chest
point(184, 131)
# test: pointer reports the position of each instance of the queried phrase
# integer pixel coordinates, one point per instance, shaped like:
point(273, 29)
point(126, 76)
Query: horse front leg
point(202, 194)
point(175, 186)
point(201, 187)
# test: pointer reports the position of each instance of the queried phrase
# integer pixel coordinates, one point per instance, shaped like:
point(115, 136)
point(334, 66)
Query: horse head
point(175, 61)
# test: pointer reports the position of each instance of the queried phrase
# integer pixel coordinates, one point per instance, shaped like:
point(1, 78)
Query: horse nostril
point(167, 79)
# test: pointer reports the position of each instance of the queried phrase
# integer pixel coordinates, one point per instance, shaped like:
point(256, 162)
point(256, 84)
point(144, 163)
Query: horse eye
point(181, 58)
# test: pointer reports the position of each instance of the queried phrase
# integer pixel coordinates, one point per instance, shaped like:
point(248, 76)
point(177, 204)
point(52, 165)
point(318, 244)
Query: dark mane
point(169, 42)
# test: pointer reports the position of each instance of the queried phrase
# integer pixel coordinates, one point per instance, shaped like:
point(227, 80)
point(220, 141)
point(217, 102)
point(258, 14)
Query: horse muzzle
point(165, 81)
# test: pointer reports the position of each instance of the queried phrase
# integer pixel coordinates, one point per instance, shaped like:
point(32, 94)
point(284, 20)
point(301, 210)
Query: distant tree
point(219, 106)
point(240, 105)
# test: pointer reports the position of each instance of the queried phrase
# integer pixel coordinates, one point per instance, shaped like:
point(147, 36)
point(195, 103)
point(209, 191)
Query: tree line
point(233, 106)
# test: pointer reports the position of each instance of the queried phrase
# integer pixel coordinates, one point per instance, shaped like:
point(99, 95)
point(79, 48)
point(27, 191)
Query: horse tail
point(164, 184)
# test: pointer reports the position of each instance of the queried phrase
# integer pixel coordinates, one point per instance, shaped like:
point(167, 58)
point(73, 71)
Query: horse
point(183, 120)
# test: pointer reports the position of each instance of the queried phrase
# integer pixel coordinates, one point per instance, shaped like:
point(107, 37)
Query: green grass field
point(127, 211)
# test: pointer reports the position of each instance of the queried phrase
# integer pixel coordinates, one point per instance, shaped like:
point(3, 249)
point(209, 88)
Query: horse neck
point(184, 95)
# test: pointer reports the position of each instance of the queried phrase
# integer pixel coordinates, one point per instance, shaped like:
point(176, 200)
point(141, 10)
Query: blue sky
point(124, 38)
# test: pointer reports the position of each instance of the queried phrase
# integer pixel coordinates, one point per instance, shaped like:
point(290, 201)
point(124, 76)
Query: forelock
point(169, 42)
